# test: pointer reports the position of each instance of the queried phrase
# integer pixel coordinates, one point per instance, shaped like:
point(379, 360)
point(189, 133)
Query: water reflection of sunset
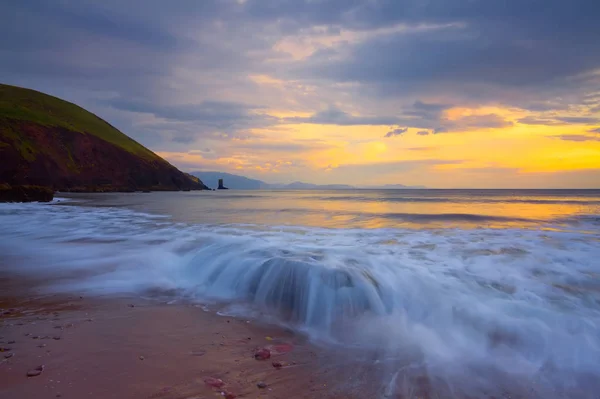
point(384, 209)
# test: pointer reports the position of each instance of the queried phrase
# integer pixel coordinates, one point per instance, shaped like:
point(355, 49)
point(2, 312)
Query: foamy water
point(518, 306)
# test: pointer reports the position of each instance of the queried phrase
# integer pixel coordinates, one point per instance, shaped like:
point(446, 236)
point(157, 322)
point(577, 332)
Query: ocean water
point(490, 293)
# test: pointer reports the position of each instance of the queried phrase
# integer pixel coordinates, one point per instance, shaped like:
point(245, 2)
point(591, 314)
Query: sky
point(441, 93)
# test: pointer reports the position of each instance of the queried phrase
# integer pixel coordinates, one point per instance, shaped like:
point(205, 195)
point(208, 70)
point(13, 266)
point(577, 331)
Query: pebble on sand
point(262, 354)
point(277, 365)
point(142, 358)
point(228, 395)
point(35, 372)
point(9, 355)
point(261, 384)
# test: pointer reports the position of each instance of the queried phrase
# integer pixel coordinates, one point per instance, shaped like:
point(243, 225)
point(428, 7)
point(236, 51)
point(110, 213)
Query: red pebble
point(262, 354)
point(228, 395)
point(277, 365)
point(214, 382)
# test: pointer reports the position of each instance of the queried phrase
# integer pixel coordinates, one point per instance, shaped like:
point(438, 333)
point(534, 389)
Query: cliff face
point(45, 141)
point(25, 193)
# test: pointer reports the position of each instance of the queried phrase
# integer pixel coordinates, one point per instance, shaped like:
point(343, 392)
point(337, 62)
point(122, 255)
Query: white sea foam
point(516, 302)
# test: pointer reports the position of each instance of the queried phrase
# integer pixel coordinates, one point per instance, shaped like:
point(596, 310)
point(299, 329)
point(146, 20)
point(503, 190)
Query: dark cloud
point(335, 116)
point(423, 132)
point(487, 50)
point(201, 151)
point(420, 115)
point(420, 108)
point(207, 111)
point(558, 121)
point(91, 18)
point(544, 105)
point(576, 137)
point(473, 122)
point(207, 117)
point(396, 132)
point(532, 120)
point(597, 130)
point(294, 146)
point(182, 139)
point(579, 120)
point(206, 153)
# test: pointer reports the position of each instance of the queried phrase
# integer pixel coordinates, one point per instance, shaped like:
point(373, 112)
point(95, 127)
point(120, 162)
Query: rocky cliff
point(45, 141)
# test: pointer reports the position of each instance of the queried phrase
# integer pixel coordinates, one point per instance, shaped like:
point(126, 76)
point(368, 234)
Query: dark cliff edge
point(48, 142)
point(25, 193)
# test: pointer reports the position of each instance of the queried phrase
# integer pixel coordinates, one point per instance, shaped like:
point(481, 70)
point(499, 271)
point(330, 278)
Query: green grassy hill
point(51, 142)
point(32, 106)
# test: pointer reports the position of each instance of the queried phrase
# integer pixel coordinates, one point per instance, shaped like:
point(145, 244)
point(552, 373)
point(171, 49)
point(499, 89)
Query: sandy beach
point(135, 348)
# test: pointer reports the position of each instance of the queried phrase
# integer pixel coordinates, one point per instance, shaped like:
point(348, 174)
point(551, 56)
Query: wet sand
point(129, 347)
point(132, 348)
point(106, 347)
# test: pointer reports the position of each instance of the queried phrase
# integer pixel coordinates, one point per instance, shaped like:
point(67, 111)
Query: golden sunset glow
point(512, 156)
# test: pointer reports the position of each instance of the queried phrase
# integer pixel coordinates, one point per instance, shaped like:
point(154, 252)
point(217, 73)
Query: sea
point(489, 293)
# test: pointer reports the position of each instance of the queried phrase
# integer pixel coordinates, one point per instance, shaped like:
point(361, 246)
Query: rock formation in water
point(221, 186)
point(45, 141)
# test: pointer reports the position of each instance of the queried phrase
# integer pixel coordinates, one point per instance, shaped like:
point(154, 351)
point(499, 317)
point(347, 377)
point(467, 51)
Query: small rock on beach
point(35, 372)
point(262, 354)
point(278, 365)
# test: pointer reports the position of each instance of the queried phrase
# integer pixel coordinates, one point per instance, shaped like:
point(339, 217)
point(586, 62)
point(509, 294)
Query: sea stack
point(221, 186)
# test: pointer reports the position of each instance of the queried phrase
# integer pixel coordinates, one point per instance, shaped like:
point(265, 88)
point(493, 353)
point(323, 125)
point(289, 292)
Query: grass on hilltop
point(28, 105)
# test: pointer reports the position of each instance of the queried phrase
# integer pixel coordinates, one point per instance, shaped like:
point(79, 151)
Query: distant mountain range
point(238, 182)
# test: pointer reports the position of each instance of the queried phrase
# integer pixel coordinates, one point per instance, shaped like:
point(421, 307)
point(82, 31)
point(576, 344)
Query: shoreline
point(127, 347)
point(466, 337)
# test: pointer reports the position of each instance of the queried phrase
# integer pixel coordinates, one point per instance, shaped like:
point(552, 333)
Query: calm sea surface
point(370, 208)
point(489, 291)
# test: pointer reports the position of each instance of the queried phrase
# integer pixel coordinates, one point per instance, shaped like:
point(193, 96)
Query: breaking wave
point(516, 302)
